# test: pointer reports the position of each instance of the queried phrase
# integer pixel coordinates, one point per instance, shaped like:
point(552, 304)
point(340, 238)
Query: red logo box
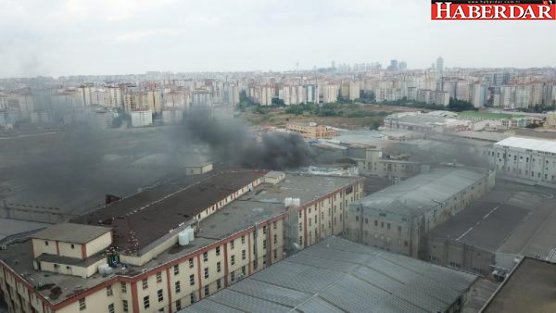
point(494, 10)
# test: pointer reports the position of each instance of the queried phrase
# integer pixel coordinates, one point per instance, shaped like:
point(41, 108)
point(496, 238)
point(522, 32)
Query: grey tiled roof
point(337, 275)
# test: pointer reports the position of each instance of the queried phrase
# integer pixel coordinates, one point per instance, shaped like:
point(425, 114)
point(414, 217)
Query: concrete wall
point(71, 250)
point(460, 256)
point(41, 246)
point(524, 164)
point(98, 244)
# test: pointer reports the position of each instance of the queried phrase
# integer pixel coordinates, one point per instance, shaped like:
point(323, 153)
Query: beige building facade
point(226, 248)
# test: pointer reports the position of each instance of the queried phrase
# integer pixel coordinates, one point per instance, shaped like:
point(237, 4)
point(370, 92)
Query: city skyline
point(63, 38)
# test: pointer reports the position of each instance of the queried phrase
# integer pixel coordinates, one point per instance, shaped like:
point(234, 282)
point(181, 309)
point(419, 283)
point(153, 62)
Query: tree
point(278, 102)
point(460, 105)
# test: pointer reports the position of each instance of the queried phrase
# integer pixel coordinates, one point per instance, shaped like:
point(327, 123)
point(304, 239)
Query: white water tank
point(104, 269)
point(288, 201)
point(296, 202)
point(183, 238)
point(191, 233)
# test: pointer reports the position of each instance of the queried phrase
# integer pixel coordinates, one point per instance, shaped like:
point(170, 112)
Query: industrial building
point(511, 221)
point(527, 159)
point(399, 217)
point(530, 288)
point(337, 275)
point(167, 247)
point(432, 122)
point(472, 238)
point(312, 130)
point(368, 159)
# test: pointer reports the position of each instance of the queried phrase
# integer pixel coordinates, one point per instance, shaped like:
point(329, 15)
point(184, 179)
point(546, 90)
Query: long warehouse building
point(165, 248)
point(399, 217)
point(338, 275)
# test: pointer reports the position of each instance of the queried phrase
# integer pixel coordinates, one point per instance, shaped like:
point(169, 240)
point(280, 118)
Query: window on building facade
point(109, 291)
point(192, 279)
point(206, 272)
point(82, 304)
point(177, 286)
point(146, 302)
point(145, 283)
point(176, 269)
point(124, 287)
point(218, 267)
point(205, 257)
point(159, 277)
point(111, 308)
point(160, 295)
point(190, 263)
point(218, 251)
point(125, 306)
point(233, 259)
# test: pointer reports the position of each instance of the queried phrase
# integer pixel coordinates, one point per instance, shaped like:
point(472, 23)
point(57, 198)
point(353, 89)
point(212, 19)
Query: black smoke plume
point(230, 140)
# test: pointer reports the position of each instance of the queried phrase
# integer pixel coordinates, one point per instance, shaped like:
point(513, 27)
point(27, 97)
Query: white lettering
point(499, 11)
point(475, 11)
point(544, 12)
point(459, 11)
point(529, 12)
point(440, 10)
point(512, 11)
point(487, 11)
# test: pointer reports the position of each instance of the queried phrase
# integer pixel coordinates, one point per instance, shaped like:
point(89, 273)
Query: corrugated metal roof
point(337, 275)
point(422, 192)
point(543, 145)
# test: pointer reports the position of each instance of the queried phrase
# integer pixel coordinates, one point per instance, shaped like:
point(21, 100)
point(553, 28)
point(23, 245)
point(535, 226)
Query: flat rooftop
point(530, 288)
point(70, 232)
point(143, 218)
point(337, 275)
point(483, 224)
point(267, 201)
point(544, 145)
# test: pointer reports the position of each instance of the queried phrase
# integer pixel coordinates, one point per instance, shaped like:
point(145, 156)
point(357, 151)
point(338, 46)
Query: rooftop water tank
point(191, 233)
point(183, 238)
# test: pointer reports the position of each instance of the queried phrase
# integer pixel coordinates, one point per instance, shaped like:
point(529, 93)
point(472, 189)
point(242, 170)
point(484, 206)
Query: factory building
point(399, 218)
point(368, 159)
point(528, 159)
point(312, 130)
point(167, 247)
point(338, 275)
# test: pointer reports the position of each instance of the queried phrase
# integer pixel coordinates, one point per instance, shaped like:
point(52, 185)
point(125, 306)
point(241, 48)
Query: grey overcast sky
point(70, 37)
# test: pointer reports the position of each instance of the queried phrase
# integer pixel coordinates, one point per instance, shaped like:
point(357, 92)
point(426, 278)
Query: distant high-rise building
point(402, 66)
point(440, 64)
point(393, 65)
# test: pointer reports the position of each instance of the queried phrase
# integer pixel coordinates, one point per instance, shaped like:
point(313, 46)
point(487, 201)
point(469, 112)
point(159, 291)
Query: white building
point(525, 158)
point(141, 118)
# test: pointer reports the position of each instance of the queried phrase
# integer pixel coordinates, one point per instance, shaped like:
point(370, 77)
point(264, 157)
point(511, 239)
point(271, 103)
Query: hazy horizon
point(68, 37)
